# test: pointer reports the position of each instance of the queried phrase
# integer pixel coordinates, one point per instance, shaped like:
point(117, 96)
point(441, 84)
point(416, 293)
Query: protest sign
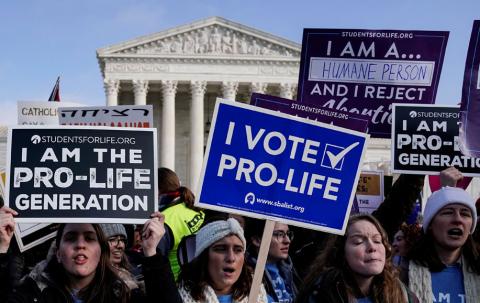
point(425, 140)
point(271, 165)
point(79, 174)
point(470, 105)
point(29, 235)
point(312, 112)
point(365, 71)
point(39, 112)
point(119, 116)
point(370, 191)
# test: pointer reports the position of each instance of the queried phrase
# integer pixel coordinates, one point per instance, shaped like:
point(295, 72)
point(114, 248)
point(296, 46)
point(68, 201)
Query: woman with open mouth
point(356, 267)
point(218, 272)
point(445, 263)
point(81, 270)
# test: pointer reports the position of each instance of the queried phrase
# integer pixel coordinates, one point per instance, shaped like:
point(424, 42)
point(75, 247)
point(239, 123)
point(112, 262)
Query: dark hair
point(106, 285)
point(168, 183)
point(194, 278)
point(425, 254)
point(411, 234)
point(167, 180)
point(335, 274)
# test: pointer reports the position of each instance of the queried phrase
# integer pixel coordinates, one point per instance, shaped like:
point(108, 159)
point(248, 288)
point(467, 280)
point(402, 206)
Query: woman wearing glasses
point(280, 278)
point(117, 241)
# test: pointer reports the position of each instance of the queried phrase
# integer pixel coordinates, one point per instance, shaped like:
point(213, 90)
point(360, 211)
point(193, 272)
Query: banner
point(425, 141)
point(119, 116)
point(78, 174)
point(470, 106)
point(270, 165)
point(312, 112)
point(370, 191)
point(39, 112)
point(365, 71)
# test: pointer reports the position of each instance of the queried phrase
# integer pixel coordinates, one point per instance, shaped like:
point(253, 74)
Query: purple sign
point(366, 71)
point(311, 111)
point(470, 107)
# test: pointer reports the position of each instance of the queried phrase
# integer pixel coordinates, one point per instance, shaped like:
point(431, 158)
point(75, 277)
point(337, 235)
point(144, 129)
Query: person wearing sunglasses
point(280, 278)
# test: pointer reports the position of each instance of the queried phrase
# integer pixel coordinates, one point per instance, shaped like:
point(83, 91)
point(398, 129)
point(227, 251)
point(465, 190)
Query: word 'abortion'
point(275, 144)
point(81, 202)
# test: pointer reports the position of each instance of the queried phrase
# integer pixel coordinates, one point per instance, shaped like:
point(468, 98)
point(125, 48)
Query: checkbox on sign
point(334, 156)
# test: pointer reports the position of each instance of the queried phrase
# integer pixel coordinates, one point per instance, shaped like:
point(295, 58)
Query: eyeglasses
point(116, 240)
point(280, 234)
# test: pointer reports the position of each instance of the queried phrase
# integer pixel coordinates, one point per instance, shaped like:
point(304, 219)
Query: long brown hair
point(106, 285)
point(337, 276)
point(168, 183)
point(194, 278)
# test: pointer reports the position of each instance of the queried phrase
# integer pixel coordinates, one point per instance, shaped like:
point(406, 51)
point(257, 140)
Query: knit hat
point(111, 230)
point(444, 196)
point(214, 231)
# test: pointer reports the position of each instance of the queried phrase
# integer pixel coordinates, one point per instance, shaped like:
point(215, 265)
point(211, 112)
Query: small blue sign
point(266, 164)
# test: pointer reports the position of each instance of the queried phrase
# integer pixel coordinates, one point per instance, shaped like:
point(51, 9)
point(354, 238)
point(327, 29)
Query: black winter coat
point(159, 283)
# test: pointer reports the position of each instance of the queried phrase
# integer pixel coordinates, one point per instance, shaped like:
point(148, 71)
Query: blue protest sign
point(266, 164)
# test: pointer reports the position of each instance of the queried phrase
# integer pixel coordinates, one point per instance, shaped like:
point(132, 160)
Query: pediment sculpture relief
point(212, 40)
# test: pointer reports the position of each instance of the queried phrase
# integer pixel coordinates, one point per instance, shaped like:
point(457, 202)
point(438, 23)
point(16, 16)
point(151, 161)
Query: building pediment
point(212, 37)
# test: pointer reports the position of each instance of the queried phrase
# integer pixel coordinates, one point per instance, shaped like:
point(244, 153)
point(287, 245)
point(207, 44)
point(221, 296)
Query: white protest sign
point(118, 116)
point(40, 112)
point(370, 190)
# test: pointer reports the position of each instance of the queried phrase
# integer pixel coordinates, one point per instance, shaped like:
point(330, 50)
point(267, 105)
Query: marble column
point(258, 87)
point(198, 89)
point(229, 90)
point(140, 90)
point(286, 90)
point(167, 155)
point(112, 87)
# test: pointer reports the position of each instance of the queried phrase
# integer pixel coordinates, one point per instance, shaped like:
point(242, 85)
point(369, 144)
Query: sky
point(45, 39)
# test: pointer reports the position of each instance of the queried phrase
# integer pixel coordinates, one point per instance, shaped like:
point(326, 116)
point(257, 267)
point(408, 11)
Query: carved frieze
point(212, 40)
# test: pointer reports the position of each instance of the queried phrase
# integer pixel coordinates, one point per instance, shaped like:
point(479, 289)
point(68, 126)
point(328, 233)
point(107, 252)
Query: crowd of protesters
point(379, 259)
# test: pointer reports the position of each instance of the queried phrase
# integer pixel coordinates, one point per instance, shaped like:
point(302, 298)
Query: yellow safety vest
point(183, 221)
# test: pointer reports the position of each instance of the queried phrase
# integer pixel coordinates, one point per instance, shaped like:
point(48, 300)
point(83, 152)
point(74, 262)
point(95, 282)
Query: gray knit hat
point(214, 231)
point(111, 230)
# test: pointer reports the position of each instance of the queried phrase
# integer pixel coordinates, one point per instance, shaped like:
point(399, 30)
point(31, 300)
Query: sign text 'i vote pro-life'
point(271, 165)
point(77, 174)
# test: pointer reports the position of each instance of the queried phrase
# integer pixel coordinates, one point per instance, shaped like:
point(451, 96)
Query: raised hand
point(7, 227)
point(153, 231)
point(450, 176)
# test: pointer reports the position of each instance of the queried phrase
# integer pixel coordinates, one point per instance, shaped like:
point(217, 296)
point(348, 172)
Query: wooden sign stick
point(261, 261)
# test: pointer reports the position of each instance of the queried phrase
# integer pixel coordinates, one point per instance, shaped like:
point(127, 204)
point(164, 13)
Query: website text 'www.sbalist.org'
point(280, 204)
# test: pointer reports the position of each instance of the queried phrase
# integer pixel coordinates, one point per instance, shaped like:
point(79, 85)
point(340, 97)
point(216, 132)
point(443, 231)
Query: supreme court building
point(181, 72)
